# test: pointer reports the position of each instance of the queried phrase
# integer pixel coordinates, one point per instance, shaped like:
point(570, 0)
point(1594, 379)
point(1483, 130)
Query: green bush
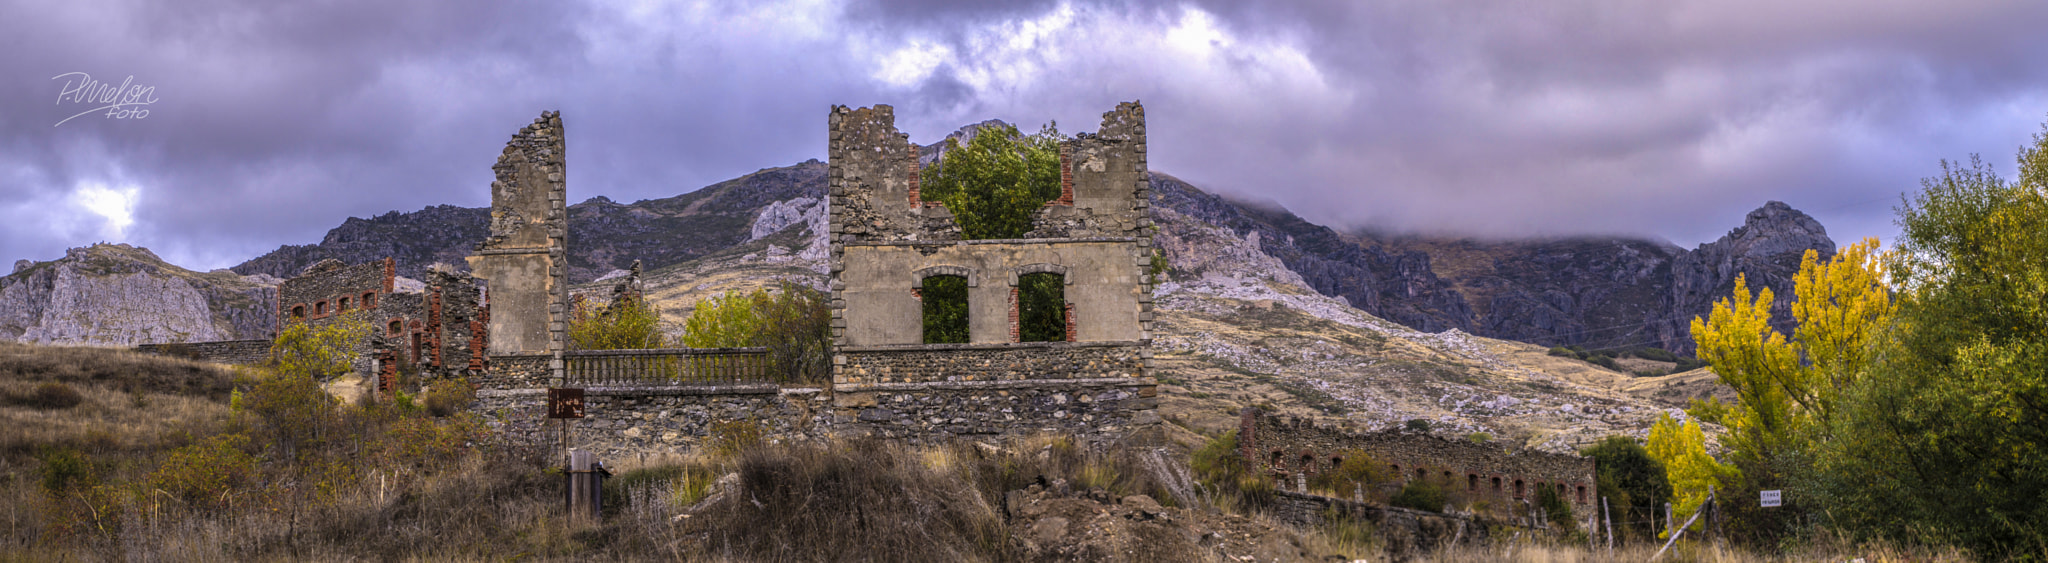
point(1656, 354)
point(1555, 507)
point(1421, 494)
point(1417, 425)
point(1564, 352)
point(450, 396)
point(1633, 483)
point(1227, 477)
point(1358, 468)
point(626, 324)
point(65, 468)
point(793, 323)
point(996, 182)
point(200, 474)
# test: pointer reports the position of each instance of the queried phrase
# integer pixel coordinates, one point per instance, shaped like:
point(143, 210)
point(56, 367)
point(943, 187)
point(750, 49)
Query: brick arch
point(917, 276)
point(1040, 268)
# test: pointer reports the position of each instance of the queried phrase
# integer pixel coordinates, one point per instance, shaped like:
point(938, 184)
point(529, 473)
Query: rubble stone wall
point(237, 352)
point(1289, 447)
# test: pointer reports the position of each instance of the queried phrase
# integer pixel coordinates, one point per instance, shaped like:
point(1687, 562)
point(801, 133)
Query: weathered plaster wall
point(881, 307)
point(524, 258)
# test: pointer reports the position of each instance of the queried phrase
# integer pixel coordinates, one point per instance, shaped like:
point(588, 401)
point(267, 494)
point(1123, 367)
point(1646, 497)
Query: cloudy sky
point(270, 122)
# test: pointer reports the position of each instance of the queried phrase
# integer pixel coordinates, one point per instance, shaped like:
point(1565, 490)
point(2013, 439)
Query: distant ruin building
point(1293, 451)
point(436, 328)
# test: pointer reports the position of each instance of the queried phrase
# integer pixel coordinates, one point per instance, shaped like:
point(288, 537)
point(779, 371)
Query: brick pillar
point(1068, 314)
point(476, 345)
point(1066, 175)
point(434, 326)
point(916, 199)
point(1016, 328)
point(387, 375)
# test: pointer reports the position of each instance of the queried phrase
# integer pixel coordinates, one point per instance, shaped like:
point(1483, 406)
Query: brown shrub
point(449, 397)
point(50, 395)
point(114, 368)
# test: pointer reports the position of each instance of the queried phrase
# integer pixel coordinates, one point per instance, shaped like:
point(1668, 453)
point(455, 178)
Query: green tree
point(728, 320)
point(1633, 483)
point(1041, 308)
point(1947, 436)
point(628, 323)
point(792, 322)
point(945, 309)
point(997, 181)
point(320, 351)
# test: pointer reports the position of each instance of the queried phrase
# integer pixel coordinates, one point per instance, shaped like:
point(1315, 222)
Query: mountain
point(603, 235)
point(1597, 292)
point(116, 294)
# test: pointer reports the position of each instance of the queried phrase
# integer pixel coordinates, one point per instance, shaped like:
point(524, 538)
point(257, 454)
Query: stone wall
point(632, 421)
point(1403, 531)
point(328, 288)
point(524, 257)
point(1286, 448)
point(867, 366)
point(515, 373)
point(1089, 408)
point(238, 352)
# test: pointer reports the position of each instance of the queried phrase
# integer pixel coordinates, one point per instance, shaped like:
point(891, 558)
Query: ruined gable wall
point(1286, 447)
point(320, 290)
point(524, 258)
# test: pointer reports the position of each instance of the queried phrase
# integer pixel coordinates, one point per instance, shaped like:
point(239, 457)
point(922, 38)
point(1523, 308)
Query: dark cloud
point(275, 121)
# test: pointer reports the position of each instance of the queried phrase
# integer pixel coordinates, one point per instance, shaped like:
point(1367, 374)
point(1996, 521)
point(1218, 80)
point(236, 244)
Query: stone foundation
point(238, 352)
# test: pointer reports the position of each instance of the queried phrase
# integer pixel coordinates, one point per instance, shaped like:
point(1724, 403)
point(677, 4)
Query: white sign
point(1773, 498)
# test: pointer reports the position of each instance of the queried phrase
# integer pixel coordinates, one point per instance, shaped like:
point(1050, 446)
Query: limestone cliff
point(115, 294)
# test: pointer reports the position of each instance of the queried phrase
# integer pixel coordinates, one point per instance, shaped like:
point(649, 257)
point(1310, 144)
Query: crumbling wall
point(524, 258)
point(236, 352)
point(1286, 448)
point(885, 242)
point(328, 288)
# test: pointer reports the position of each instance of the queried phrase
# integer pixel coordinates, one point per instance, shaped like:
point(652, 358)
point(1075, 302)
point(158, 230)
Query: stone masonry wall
point(989, 362)
point(329, 288)
point(1286, 448)
point(237, 352)
point(524, 259)
point(632, 421)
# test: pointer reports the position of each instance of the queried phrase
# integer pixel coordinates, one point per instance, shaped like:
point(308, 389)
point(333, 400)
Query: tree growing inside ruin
point(792, 322)
point(997, 181)
point(627, 323)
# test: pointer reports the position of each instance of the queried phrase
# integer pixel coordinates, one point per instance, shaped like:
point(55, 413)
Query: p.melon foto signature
point(125, 101)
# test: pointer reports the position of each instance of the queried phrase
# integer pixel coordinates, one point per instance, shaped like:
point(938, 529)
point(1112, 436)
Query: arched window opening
point(1041, 307)
point(1518, 488)
point(1582, 494)
point(945, 309)
point(319, 308)
point(369, 300)
point(1472, 482)
point(343, 307)
point(1276, 459)
point(397, 327)
point(1336, 462)
point(1308, 463)
point(298, 311)
point(1421, 474)
point(1496, 484)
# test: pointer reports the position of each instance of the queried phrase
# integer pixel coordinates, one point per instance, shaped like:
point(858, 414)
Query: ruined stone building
point(523, 263)
point(437, 327)
point(887, 243)
point(1291, 451)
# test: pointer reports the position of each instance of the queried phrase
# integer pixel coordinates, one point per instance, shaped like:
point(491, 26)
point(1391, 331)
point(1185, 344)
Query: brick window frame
point(395, 329)
point(369, 300)
point(299, 311)
point(342, 305)
point(319, 309)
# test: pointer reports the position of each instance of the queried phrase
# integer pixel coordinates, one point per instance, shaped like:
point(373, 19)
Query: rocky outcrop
point(1767, 248)
point(1397, 286)
point(115, 294)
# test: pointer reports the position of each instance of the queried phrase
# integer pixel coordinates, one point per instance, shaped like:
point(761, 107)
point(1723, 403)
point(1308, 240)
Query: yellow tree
point(726, 321)
point(1682, 447)
point(1786, 385)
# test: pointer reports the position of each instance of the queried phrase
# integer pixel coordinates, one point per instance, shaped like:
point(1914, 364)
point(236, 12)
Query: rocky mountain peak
point(117, 294)
point(1777, 228)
